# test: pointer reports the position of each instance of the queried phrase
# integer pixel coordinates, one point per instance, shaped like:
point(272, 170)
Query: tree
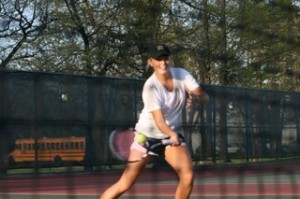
point(221, 42)
point(22, 23)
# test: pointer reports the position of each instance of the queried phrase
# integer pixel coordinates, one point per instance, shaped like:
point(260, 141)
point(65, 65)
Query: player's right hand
point(175, 139)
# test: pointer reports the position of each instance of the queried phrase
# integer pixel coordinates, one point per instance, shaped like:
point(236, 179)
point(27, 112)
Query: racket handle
point(164, 142)
point(169, 141)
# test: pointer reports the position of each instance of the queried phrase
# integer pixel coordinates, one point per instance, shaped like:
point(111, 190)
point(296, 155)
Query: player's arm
point(197, 95)
point(163, 126)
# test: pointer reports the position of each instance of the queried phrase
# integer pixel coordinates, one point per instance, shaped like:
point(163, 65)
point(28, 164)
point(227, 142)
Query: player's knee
point(187, 177)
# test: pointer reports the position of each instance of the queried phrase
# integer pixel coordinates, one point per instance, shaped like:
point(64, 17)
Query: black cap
point(158, 50)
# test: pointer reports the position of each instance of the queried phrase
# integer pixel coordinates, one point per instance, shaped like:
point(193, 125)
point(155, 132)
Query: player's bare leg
point(129, 176)
point(178, 157)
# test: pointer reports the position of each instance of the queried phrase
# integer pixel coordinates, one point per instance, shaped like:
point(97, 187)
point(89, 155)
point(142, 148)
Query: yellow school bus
point(56, 150)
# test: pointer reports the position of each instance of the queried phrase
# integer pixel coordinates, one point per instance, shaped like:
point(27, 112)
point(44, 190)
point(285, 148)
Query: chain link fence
point(57, 119)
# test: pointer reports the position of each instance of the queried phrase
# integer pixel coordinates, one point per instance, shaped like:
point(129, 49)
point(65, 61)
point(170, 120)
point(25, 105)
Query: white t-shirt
point(156, 96)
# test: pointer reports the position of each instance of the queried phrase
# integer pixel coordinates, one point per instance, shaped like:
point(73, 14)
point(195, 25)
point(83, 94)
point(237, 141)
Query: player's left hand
point(189, 101)
point(202, 99)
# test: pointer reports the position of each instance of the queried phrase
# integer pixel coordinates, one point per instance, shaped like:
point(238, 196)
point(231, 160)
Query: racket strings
point(124, 145)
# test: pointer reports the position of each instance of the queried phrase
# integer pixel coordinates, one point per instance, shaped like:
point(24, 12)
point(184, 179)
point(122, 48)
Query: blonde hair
point(171, 63)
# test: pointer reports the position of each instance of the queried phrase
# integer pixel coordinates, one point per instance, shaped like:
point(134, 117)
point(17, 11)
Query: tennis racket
point(122, 147)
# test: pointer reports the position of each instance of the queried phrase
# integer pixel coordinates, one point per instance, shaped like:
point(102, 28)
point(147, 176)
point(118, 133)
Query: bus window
point(67, 145)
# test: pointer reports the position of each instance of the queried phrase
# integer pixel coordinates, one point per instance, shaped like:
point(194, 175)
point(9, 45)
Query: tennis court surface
point(260, 180)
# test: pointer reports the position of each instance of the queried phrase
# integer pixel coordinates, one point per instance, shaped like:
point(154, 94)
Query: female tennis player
point(164, 97)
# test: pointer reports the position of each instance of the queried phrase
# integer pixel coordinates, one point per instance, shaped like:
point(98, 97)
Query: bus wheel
point(57, 161)
point(11, 160)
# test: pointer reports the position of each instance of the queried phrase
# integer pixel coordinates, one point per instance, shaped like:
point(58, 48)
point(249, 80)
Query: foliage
point(241, 43)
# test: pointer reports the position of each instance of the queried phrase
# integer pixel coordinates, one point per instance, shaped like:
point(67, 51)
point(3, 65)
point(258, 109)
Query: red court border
point(161, 182)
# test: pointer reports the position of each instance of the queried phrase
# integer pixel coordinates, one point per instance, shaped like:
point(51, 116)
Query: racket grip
point(167, 142)
point(170, 142)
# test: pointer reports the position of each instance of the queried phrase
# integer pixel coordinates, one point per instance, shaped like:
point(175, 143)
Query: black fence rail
point(58, 119)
